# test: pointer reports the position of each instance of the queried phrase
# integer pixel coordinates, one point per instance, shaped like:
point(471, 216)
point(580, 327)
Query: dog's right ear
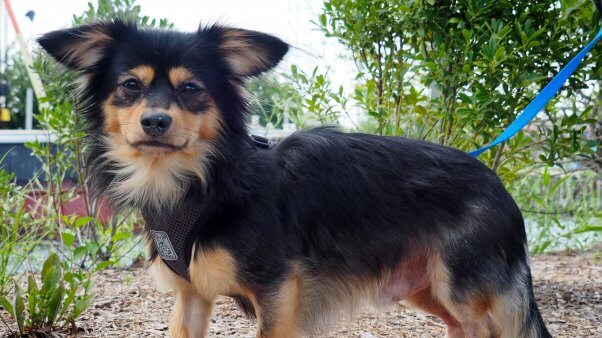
point(81, 47)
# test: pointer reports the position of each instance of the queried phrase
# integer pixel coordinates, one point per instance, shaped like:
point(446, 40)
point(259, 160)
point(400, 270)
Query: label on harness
point(163, 245)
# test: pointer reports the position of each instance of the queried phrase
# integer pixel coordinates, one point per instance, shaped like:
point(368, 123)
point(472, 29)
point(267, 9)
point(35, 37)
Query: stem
point(130, 249)
point(498, 156)
point(549, 212)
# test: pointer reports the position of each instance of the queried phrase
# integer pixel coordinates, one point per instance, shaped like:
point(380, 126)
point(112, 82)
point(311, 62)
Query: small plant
point(59, 299)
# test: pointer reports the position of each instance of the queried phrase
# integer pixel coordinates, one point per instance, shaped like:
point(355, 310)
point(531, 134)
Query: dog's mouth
point(158, 145)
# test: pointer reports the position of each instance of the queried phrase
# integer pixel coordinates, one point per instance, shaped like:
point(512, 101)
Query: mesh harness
point(171, 234)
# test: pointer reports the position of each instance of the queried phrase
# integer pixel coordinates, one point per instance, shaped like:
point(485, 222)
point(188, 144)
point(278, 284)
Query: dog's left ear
point(250, 53)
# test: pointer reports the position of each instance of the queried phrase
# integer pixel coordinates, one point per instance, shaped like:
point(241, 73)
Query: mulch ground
point(568, 289)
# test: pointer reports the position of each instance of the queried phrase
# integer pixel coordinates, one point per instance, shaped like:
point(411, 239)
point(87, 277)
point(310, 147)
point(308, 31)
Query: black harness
point(171, 236)
point(171, 233)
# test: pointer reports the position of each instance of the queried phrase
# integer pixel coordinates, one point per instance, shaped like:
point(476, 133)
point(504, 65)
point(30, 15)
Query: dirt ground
point(568, 288)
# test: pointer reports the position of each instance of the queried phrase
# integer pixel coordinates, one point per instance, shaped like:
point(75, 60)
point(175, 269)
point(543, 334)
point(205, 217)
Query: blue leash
point(540, 101)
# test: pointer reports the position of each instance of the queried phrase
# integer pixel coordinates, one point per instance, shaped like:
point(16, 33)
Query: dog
point(301, 233)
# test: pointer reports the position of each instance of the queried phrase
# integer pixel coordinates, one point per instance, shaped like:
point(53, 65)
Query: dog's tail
point(516, 313)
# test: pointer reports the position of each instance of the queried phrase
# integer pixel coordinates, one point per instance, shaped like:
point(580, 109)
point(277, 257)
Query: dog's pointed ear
point(81, 47)
point(250, 53)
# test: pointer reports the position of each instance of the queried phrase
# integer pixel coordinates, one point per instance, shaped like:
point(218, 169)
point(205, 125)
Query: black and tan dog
point(312, 229)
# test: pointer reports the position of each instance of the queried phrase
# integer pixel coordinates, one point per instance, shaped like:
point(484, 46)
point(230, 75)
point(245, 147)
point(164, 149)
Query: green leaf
point(546, 177)
point(420, 109)
point(52, 260)
point(79, 252)
point(545, 245)
point(323, 19)
point(121, 236)
point(68, 299)
point(104, 265)
point(68, 238)
point(32, 300)
point(589, 228)
point(83, 221)
point(54, 305)
point(19, 307)
point(7, 306)
point(80, 305)
point(557, 185)
point(50, 282)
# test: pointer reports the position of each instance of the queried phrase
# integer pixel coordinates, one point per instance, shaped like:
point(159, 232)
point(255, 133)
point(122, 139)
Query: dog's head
point(157, 101)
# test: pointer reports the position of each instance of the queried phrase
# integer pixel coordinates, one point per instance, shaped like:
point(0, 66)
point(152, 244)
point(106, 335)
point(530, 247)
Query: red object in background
point(74, 206)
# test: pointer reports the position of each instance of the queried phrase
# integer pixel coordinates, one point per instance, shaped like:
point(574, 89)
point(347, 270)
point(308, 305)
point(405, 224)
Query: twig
point(130, 249)
point(548, 212)
point(498, 156)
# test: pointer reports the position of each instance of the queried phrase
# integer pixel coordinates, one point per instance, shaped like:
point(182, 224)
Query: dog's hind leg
point(425, 301)
point(515, 311)
point(471, 313)
point(490, 295)
point(474, 318)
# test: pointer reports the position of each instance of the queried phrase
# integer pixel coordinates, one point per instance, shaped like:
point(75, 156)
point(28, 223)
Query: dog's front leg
point(190, 315)
point(191, 312)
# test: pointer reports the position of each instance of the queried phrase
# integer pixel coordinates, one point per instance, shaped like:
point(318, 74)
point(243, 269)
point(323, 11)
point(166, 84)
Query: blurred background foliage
point(452, 72)
point(17, 82)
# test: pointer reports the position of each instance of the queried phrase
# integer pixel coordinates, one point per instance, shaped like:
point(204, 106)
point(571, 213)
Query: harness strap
point(171, 236)
point(262, 142)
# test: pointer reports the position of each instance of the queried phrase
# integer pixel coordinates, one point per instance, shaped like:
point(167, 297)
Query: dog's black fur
point(340, 205)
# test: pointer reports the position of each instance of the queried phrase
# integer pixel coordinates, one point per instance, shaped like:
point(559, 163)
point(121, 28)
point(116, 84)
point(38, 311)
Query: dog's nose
point(155, 124)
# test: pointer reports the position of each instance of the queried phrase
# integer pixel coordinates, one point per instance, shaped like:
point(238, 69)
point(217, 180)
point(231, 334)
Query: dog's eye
point(131, 84)
point(190, 88)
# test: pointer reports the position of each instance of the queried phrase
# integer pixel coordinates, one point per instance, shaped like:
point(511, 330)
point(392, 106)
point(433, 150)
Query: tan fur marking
point(213, 273)
point(286, 312)
point(179, 75)
point(89, 50)
point(326, 299)
point(124, 120)
point(472, 316)
point(508, 310)
point(191, 312)
point(144, 73)
point(425, 301)
point(210, 124)
point(244, 58)
point(112, 124)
